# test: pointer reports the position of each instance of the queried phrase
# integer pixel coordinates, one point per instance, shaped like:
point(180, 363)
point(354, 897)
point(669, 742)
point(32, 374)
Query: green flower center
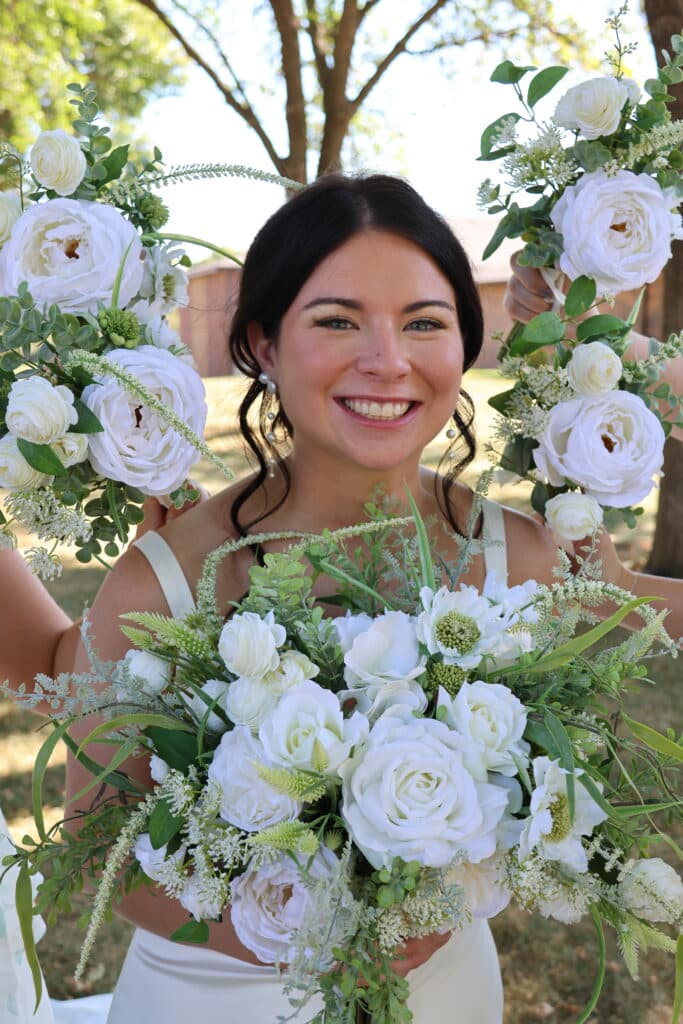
point(561, 818)
point(456, 631)
point(451, 677)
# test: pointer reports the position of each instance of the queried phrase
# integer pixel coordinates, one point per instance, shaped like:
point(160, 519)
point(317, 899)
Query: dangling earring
point(270, 385)
point(271, 392)
point(451, 434)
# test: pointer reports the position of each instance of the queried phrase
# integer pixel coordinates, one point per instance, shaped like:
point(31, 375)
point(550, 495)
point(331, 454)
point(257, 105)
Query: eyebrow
point(332, 300)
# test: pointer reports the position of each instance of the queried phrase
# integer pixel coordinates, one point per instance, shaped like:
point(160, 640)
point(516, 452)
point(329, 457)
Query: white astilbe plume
point(432, 907)
point(45, 565)
point(41, 512)
point(543, 160)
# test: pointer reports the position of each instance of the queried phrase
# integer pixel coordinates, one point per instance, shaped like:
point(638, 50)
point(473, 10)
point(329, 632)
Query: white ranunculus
point(593, 107)
point(652, 890)
point(10, 211)
point(573, 515)
point(549, 829)
point(269, 904)
point(372, 703)
point(594, 369)
point(610, 445)
point(294, 669)
point(617, 229)
point(39, 411)
point(158, 768)
point(383, 653)
point(406, 793)
point(246, 800)
point(216, 690)
point(58, 162)
point(136, 446)
point(202, 907)
point(152, 861)
point(308, 731)
point(491, 721)
point(483, 884)
point(164, 283)
point(15, 472)
point(71, 449)
point(249, 702)
point(461, 625)
point(69, 251)
point(154, 672)
point(249, 643)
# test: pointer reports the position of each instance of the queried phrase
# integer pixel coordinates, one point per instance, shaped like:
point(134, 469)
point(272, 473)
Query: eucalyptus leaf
point(508, 73)
point(580, 296)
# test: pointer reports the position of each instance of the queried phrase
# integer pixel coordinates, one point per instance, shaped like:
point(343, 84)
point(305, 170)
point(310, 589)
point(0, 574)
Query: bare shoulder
point(532, 548)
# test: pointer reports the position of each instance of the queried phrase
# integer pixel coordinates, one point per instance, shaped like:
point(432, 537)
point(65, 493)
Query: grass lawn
point(548, 970)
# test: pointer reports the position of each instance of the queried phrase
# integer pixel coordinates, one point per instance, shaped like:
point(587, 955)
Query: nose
point(384, 353)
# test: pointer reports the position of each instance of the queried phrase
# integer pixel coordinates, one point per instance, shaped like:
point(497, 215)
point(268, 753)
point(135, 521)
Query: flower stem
point(156, 236)
point(600, 980)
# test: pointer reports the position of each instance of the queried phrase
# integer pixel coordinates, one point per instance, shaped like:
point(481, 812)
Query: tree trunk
point(665, 18)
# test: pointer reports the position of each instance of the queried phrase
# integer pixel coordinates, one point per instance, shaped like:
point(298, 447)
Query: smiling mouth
point(373, 410)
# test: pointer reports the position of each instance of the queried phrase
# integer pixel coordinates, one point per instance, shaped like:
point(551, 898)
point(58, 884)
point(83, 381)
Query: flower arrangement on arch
point(340, 784)
point(604, 173)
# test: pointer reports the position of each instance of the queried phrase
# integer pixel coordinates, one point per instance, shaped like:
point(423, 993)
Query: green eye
point(335, 323)
point(424, 324)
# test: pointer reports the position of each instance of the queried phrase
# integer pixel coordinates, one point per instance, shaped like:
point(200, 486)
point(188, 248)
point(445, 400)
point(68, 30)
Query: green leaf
point(41, 457)
point(115, 162)
point(39, 768)
point(655, 740)
point(87, 422)
point(501, 401)
point(545, 329)
point(589, 784)
point(580, 296)
point(508, 73)
point(177, 749)
point(602, 965)
point(192, 931)
point(540, 496)
point(488, 137)
point(564, 748)
point(541, 84)
point(591, 155)
point(509, 226)
point(117, 780)
point(518, 456)
point(105, 772)
point(678, 990)
point(142, 719)
point(426, 563)
point(23, 895)
point(163, 825)
point(600, 325)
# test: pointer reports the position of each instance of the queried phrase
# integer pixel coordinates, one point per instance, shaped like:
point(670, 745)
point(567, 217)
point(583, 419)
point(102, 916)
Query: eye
point(336, 323)
point(424, 323)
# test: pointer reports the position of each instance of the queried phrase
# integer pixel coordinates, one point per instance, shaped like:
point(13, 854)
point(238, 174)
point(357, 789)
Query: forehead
point(376, 266)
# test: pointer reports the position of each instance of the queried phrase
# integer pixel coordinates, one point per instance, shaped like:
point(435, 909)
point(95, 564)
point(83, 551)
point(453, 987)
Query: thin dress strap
point(495, 546)
point(168, 572)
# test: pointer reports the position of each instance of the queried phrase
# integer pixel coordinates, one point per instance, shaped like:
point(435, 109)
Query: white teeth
point(377, 410)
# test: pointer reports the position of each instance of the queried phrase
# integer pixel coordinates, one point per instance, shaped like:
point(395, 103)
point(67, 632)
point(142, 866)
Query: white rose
point(10, 211)
point(593, 107)
point(39, 411)
point(158, 768)
point(164, 283)
point(308, 731)
point(249, 702)
point(594, 369)
point(406, 793)
point(573, 515)
point(483, 885)
point(136, 446)
point(652, 890)
point(385, 652)
point(617, 229)
point(69, 251)
point(216, 691)
point(153, 672)
point(153, 861)
point(58, 162)
point(492, 721)
point(610, 445)
point(202, 906)
point(294, 669)
point(269, 904)
point(71, 449)
point(15, 472)
point(246, 800)
point(249, 643)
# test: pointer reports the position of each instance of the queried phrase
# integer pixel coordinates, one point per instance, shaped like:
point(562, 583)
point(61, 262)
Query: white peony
point(10, 211)
point(39, 411)
point(594, 369)
point(153, 861)
point(70, 251)
point(246, 800)
point(491, 721)
point(164, 283)
point(573, 515)
point(652, 890)
point(549, 829)
point(383, 653)
point(153, 672)
point(249, 702)
point(137, 446)
point(269, 904)
point(58, 162)
point(249, 643)
point(406, 793)
point(610, 445)
point(593, 107)
point(462, 625)
point(308, 731)
point(15, 472)
point(617, 229)
point(294, 669)
point(483, 885)
point(71, 449)
point(197, 903)
point(216, 691)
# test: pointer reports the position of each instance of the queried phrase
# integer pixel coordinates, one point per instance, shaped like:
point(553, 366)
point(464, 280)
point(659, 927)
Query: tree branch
point(319, 53)
point(287, 24)
point(220, 52)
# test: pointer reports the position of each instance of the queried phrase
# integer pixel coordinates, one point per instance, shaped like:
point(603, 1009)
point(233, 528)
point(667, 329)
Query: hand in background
point(157, 514)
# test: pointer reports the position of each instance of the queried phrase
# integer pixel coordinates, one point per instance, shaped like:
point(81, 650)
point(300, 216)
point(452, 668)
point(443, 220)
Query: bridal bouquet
point(605, 176)
point(100, 403)
point(338, 785)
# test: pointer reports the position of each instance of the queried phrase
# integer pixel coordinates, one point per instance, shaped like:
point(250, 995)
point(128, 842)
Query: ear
point(262, 348)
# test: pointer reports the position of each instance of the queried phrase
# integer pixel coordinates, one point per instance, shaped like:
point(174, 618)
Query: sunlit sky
point(435, 122)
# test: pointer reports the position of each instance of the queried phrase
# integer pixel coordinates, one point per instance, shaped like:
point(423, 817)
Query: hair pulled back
point(286, 251)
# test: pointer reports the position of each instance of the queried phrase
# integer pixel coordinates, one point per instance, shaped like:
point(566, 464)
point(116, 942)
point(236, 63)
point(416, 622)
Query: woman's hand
point(417, 951)
point(526, 294)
